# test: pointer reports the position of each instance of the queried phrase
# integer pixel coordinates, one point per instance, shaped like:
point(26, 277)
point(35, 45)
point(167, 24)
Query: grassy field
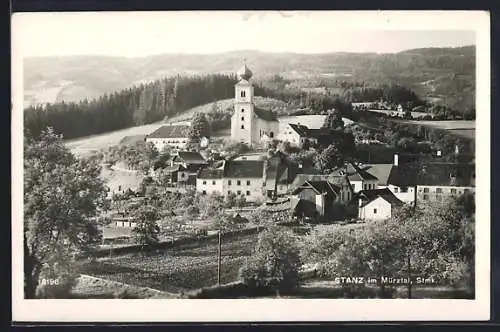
point(461, 128)
point(86, 145)
point(178, 269)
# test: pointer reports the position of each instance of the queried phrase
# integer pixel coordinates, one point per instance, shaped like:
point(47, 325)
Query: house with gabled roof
point(241, 177)
point(174, 136)
point(279, 173)
point(377, 204)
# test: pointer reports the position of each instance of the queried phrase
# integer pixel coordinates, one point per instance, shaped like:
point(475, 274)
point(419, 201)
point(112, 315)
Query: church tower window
point(242, 93)
point(242, 118)
point(242, 126)
point(242, 110)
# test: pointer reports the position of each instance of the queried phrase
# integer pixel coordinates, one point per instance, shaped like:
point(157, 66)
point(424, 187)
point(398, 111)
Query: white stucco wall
point(287, 134)
point(210, 186)
point(176, 143)
point(253, 192)
point(433, 193)
point(378, 209)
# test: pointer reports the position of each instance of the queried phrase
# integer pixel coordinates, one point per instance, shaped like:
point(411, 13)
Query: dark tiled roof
point(170, 132)
point(381, 171)
point(433, 174)
point(244, 169)
point(336, 180)
point(355, 173)
point(209, 173)
point(299, 129)
point(279, 170)
point(265, 115)
point(191, 157)
point(386, 194)
point(319, 186)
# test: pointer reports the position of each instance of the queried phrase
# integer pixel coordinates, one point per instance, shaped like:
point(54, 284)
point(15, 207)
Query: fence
point(170, 244)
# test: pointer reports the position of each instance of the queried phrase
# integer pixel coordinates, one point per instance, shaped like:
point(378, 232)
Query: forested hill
point(442, 75)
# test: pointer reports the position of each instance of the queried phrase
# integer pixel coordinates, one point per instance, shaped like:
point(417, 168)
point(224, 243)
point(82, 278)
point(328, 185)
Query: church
point(250, 124)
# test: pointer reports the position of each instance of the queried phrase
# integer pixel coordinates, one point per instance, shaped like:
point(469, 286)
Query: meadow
point(87, 145)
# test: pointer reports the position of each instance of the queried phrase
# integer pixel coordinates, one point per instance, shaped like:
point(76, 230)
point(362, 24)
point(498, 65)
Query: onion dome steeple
point(245, 73)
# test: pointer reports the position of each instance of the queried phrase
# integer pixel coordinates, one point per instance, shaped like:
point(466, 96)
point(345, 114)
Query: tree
point(146, 230)
point(328, 159)
point(275, 263)
point(333, 120)
point(200, 127)
point(63, 197)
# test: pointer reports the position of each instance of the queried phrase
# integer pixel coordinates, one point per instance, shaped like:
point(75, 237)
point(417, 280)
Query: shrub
point(276, 262)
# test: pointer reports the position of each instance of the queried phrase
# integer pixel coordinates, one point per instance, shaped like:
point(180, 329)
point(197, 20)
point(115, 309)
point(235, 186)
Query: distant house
point(279, 174)
point(377, 204)
point(241, 177)
point(175, 137)
point(181, 167)
point(297, 134)
point(341, 183)
point(358, 177)
point(316, 199)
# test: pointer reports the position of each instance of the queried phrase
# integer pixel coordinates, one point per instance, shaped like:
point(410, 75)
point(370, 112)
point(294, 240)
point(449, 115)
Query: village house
point(241, 177)
point(318, 198)
point(173, 136)
point(182, 168)
point(437, 180)
point(279, 174)
point(250, 124)
point(358, 177)
point(377, 204)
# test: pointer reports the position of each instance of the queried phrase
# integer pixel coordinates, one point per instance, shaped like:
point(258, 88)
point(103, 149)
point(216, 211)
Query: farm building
point(172, 136)
point(377, 204)
point(279, 174)
point(242, 177)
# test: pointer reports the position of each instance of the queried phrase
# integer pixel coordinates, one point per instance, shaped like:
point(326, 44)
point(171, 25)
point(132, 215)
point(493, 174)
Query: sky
point(136, 34)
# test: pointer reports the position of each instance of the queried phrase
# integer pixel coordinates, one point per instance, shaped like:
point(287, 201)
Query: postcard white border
point(278, 309)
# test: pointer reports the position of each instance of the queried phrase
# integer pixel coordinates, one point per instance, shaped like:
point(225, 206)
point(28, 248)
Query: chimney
point(396, 159)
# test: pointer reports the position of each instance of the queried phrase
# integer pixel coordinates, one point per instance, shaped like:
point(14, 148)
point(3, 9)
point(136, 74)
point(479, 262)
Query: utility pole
point(220, 260)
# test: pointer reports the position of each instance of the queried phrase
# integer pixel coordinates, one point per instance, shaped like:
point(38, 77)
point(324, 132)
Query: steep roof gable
point(244, 169)
point(265, 115)
point(170, 132)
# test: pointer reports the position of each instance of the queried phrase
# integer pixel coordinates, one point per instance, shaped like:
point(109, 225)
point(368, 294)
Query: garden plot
point(176, 270)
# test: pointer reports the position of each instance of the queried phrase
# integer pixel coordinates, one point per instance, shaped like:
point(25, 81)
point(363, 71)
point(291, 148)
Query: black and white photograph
point(254, 157)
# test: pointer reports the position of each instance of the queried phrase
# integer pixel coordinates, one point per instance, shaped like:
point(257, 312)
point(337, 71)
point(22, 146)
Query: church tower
point(241, 121)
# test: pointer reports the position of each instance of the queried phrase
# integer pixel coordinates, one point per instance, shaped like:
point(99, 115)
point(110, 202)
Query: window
point(404, 189)
point(204, 192)
point(439, 190)
point(248, 182)
point(213, 182)
point(242, 118)
point(374, 211)
point(426, 190)
point(228, 192)
point(242, 127)
point(204, 182)
point(438, 197)
point(453, 191)
point(243, 93)
point(229, 182)
point(426, 197)
point(242, 110)
point(239, 192)
point(238, 183)
point(396, 189)
point(248, 193)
